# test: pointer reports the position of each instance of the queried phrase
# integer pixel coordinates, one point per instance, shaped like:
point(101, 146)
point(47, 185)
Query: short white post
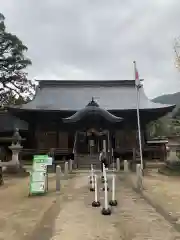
point(105, 189)
point(95, 203)
point(106, 210)
point(113, 187)
point(92, 179)
point(126, 167)
point(92, 173)
point(118, 164)
point(66, 168)
point(70, 165)
point(113, 201)
point(95, 186)
point(139, 177)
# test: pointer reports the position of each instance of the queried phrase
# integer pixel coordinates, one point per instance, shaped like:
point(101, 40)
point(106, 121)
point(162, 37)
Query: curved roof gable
point(92, 109)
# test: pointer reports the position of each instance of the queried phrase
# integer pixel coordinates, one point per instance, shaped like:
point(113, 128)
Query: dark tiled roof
point(92, 109)
point(8, 122)
point(74, 95)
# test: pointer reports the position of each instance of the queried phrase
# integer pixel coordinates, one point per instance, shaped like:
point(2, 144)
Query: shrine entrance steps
point(85, 161)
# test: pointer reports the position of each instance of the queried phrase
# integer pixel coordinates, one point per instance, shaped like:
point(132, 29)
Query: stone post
point(66, 170)
point(1, 175)
point(126, 166)
point(70, 165)
point(104, 144)
point(118, 164)
point(139, 177)
point(58, 176)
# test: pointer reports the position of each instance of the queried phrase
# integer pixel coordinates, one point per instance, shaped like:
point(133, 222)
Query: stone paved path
point(133, 219)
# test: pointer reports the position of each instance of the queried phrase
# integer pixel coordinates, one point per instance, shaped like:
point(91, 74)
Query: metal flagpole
point(138, 86)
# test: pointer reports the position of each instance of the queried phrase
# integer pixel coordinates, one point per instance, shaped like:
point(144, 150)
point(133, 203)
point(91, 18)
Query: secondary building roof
point(73, 95)
point(8, 123)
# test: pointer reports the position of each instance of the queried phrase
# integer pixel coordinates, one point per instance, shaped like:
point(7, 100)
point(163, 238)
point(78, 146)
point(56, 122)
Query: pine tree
point(13, 78)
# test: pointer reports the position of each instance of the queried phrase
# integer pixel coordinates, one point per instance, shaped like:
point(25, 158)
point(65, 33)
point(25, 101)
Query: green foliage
point(13, 100)
point(13, 79)
point(158, 128)
point(164, 127)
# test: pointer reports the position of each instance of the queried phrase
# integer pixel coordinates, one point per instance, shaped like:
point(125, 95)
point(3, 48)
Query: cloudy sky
point(99, 39)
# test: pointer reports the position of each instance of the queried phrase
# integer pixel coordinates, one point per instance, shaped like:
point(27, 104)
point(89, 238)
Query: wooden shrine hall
point(76, 118)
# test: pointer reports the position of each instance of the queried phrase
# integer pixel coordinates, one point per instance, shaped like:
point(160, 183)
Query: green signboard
point(38, 178)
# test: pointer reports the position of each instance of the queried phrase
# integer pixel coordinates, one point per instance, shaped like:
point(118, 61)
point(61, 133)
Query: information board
point(49, 161)
point(37, 187)
point(38, 178)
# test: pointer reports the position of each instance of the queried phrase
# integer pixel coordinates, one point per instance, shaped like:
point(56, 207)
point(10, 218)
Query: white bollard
point(66, 166)
point(92, 179)
point(126, 167)
point(113, 187)
point(95, 203)
point(105, 189)
point(106, 210)
point(95, 186)
point(118, 164)
point(139, 177)
point(105, 178)
point(113, 202)
point(70, 165)
point(92, 172)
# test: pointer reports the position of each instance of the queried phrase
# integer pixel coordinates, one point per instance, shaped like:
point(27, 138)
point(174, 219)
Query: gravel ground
point(19, 214)
point(133, 219)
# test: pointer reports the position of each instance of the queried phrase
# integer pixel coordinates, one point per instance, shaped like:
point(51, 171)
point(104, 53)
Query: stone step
point(84, 162)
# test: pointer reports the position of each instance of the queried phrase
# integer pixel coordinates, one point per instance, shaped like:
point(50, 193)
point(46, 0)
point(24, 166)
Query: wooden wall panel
point(63, 140)
point(46, 140)
point(126, 139)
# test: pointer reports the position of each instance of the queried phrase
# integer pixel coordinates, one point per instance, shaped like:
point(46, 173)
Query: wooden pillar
point(63, 140)
point(57, 136)
point(32, 135)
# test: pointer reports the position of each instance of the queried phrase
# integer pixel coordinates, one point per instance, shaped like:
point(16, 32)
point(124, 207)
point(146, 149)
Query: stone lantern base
point(14, 166)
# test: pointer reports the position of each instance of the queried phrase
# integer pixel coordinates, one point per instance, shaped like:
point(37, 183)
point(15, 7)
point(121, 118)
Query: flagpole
point(138, 86)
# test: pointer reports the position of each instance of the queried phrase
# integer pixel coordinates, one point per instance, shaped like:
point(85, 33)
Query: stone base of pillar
point(106, 211)
point(92, 189)
point(15, 170)
point(113, 203)
point(96, 204)
point(104, 188)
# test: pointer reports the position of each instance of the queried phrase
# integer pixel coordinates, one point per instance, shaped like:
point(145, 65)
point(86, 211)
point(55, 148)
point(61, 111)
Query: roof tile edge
point(84, 83)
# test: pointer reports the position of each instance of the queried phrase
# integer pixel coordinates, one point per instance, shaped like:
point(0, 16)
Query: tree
point(13, 79)
point(15, 100)
point(159, 128)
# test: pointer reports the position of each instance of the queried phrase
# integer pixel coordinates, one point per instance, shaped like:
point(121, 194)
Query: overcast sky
point(99, 39)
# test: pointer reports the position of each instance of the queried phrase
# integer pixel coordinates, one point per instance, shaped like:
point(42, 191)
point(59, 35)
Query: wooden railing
point(150, 152)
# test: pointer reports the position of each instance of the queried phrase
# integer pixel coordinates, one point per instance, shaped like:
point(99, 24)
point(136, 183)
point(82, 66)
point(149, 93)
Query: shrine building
point(76, 118)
